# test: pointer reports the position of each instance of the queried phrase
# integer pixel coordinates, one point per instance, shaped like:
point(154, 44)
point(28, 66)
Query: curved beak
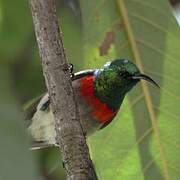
point(146, 78)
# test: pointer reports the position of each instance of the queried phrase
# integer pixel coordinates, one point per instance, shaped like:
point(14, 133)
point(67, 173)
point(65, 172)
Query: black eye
point(124, 74)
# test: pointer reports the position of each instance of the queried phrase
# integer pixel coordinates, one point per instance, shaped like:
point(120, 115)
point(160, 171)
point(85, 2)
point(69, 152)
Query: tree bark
point(69, 132)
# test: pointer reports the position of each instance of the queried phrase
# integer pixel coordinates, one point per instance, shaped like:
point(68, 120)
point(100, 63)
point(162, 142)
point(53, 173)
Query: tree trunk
point(69, 131)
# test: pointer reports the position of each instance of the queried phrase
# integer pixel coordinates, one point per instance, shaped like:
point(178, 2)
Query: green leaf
point(143, 141)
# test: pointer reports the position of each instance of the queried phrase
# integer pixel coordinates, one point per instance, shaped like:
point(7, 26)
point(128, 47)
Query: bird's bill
point(146, 78)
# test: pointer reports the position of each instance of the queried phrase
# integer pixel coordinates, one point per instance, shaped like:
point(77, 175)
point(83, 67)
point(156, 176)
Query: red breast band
point(101, 111)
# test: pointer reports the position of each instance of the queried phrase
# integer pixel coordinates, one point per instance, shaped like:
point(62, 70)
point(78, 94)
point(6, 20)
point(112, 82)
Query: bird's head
point(128, 74)
point(118, 77)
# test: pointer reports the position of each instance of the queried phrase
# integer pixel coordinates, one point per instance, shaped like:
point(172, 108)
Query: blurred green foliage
point(94, 32)
point(22, 79)
point(143, 141)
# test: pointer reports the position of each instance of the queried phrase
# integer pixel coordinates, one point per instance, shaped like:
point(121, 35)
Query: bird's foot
point(71, 68)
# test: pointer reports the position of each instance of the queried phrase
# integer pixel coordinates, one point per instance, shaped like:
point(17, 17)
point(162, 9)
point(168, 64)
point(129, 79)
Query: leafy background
point(143, 141)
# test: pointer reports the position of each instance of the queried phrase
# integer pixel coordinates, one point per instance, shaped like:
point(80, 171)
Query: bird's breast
point(100, 111)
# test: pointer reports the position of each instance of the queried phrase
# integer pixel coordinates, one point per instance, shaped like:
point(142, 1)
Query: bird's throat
point(109, 90)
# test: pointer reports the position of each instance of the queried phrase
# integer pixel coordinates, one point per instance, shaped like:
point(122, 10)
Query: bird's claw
point(71, 68)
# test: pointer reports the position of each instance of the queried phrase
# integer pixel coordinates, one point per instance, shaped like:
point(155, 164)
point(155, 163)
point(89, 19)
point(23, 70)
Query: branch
point(68, 128)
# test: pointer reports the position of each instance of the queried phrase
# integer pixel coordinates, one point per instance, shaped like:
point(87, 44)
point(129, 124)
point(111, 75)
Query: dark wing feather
point(82, 74)
point(31, 108)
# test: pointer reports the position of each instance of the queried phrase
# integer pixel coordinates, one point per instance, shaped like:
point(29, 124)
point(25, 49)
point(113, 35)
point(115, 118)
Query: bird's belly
point(42, 127)
point(88, 122)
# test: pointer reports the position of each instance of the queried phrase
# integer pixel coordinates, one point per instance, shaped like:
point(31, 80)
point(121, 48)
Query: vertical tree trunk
point(68, 128)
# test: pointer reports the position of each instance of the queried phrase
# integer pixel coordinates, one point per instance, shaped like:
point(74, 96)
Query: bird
point(99, 94)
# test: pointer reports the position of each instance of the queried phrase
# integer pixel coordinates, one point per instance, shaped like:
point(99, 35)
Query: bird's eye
point(124, 74)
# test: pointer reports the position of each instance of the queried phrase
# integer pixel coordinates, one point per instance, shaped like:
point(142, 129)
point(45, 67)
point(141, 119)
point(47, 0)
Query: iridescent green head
point(115, 79)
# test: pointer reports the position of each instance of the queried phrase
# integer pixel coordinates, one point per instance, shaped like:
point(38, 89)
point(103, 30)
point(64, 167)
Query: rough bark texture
point(69, 131)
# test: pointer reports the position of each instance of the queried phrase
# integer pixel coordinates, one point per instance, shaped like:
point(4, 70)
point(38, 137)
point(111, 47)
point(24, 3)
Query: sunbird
point(99, 94)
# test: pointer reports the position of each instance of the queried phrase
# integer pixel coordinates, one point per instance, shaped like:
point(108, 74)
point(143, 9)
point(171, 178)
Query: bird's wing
point(31, 107)
point(82, 74)
point(39, 119)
